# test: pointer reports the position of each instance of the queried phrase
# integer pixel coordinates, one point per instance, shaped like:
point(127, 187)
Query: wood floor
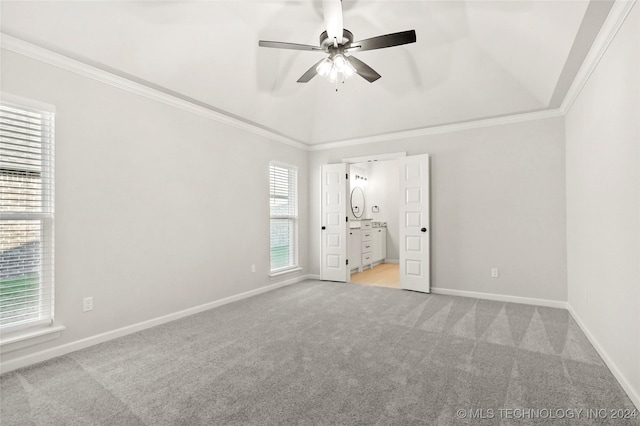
point(384, 274)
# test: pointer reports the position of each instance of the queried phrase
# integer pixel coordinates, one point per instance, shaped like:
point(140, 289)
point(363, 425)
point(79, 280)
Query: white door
point(414, 223)
point(334, 222)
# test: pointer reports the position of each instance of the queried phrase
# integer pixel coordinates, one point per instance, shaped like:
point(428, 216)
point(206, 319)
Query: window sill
point(22, 339)
point(286, 271)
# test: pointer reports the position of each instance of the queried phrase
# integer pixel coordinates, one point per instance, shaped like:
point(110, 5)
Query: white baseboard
point(501, 297)
point(313, 277)
point(632, 393)
point(391, 261)
point(56, 351)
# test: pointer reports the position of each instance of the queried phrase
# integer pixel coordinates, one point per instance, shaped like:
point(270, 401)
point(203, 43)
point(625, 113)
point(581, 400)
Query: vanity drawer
point(365, 224)
point(366, 235)
point(366, 258)
point(367, 247)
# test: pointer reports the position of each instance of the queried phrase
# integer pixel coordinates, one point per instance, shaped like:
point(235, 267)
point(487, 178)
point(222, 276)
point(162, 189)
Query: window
point(26, 216)
point(283, 189)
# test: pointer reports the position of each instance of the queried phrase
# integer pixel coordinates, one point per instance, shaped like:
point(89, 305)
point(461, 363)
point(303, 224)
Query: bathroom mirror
point(357, 201)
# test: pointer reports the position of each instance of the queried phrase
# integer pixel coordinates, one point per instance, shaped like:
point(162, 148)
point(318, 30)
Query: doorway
point(360, 243)
point(374, 230)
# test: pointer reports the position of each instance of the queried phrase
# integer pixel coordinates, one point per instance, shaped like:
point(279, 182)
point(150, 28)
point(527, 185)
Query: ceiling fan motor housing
point(328, 46)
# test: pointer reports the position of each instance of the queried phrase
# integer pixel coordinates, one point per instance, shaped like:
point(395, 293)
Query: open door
point(414, 223)
point(334, 222)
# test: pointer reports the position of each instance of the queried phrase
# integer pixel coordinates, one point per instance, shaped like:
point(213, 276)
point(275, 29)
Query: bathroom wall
point(360, 170)
point(382, 191)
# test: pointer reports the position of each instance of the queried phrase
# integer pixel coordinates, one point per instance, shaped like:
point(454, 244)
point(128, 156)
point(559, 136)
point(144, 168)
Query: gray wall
point(603, 204)
point(498, 200)
point(157, 209)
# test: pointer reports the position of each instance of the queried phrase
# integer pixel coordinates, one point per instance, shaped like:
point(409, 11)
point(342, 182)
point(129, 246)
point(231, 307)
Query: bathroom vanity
point(367, 243)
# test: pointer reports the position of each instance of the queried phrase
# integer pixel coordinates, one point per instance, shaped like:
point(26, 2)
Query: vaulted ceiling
point(472, 59)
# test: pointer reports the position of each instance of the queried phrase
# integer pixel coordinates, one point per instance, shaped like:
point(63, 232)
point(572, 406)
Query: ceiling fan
point(338, 43)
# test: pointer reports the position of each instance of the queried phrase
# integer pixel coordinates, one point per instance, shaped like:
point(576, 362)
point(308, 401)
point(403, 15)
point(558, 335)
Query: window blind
point(26, 216)
point(283, 189)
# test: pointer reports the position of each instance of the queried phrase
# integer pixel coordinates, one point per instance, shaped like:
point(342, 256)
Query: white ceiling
point(472, 59)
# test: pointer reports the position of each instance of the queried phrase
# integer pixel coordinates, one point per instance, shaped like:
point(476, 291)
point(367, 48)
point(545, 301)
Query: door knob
point(424, 229)
point(324, 227)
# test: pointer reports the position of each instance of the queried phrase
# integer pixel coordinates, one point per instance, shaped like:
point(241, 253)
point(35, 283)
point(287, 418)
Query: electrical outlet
point(87, 304)
point(494, 272)
point(253, 269)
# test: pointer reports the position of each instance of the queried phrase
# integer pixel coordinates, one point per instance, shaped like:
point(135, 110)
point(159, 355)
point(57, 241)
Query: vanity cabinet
point(355, 250)
point(367, 246)
point(379, 243)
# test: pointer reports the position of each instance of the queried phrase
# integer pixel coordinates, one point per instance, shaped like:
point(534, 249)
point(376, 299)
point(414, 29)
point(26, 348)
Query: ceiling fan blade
point(332, 10)
point(364, 70)
point(311, 72)
point(284, 45)
point(387, 40)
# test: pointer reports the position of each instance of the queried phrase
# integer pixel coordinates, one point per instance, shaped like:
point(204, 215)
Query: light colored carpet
point(324, 353)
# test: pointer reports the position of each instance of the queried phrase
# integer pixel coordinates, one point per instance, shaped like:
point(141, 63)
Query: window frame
point(45, 215)
point(292, 218)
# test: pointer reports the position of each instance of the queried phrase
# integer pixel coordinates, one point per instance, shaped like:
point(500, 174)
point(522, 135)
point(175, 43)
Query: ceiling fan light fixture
point(340, 63)
point(324, 68)
point(333, 74)
point(349, 70)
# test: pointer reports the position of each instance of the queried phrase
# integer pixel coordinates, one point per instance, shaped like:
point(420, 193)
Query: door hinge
point(347, 261)
point(347, 218)
point(347, 176)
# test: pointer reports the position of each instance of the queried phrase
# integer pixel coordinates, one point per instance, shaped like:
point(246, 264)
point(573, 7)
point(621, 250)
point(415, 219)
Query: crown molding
point(47, 56)
point(619, 12)
point(447, 128)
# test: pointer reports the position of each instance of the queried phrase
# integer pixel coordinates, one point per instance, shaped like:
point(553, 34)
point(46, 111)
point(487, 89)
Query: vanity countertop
point(356, 224)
